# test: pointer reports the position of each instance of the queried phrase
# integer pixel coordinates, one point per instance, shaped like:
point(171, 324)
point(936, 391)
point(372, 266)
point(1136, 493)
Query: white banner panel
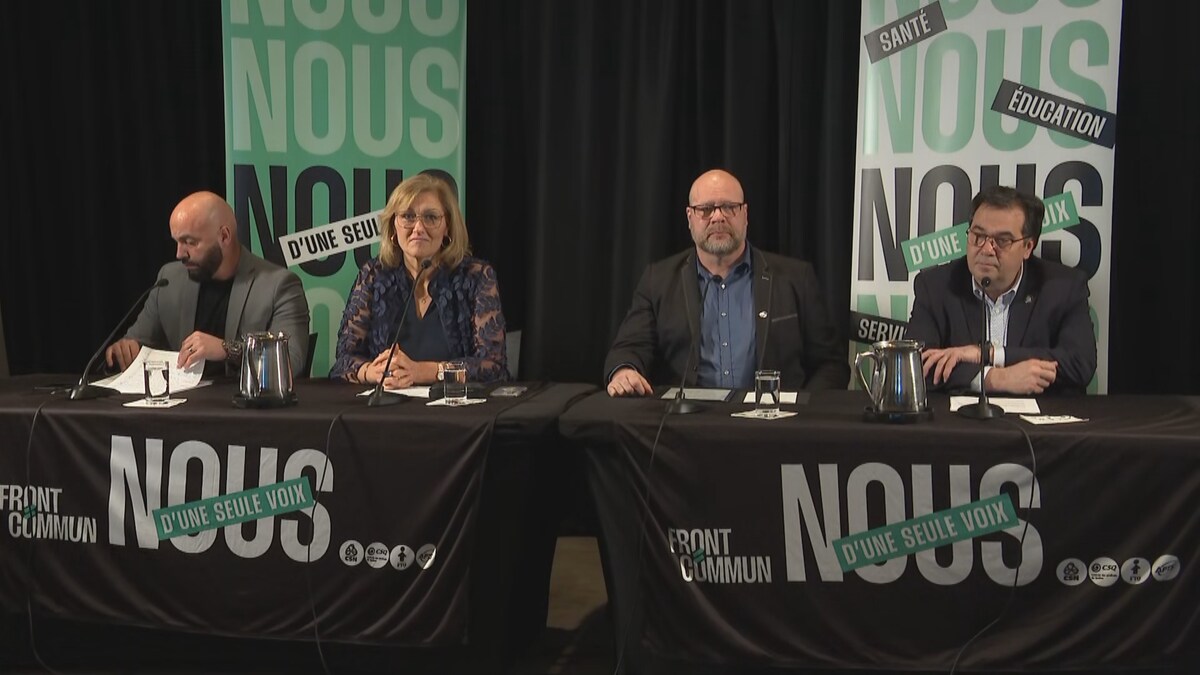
point(957, 96)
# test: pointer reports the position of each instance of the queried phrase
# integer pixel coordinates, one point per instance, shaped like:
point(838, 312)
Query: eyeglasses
point(705, 211)
point(429, 219)
point(1001, 243)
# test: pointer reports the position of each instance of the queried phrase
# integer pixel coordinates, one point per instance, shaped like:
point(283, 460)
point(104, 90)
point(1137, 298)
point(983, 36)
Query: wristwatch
point(441, 371)
point(233, 350)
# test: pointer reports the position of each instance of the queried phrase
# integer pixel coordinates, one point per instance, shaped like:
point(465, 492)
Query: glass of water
point(454, 379)
point(766, 393)
point(158, 382)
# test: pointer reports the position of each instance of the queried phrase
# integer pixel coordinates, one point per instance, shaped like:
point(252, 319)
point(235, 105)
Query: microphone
point(84, 391)
point(681, 406)
point(379, 396)
point(983, 410)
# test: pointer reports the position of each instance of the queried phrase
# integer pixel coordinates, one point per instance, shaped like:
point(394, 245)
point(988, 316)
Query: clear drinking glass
point(158, 382)
point(454, 379)
point(766, 393)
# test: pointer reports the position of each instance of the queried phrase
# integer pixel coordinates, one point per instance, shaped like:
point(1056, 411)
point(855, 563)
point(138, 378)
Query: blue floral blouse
point(468, 300)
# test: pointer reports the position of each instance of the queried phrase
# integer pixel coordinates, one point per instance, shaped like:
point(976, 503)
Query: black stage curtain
point(587, 122)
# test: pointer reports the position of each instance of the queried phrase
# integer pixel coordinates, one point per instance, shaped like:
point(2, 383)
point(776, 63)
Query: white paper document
point(415, 392)
point(144, 403)
point(784, 397)
point(132, 380)
point(445, 402)
point(756, 415)
point(1011, 406)
point(698, 394)
point(1052, 419)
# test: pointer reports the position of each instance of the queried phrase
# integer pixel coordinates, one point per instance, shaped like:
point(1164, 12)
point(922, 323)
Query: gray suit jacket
point(264, 297)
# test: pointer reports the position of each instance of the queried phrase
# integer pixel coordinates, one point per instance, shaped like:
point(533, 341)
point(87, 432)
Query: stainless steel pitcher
point(896, 385)
point(266, 376)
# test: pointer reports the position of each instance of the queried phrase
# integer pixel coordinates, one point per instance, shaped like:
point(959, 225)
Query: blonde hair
point(450, 254)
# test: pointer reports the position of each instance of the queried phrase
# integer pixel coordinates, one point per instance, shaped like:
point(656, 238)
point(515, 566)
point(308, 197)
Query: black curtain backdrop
point(586, 123)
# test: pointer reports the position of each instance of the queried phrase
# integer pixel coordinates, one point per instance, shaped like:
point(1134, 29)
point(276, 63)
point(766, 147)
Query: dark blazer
point(1048, 319)
point(264, 297)
point(656, 336)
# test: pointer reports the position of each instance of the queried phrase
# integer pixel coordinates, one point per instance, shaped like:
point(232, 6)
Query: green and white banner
point(958, 95)
point(329, 105)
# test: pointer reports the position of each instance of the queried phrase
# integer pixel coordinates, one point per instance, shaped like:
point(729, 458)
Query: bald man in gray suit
point(217, 292)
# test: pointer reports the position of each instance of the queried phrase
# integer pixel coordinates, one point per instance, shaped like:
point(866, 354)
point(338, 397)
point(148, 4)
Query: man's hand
point(628, 382)
point(122, 352)
point(1031, 376)
point(943, 361)
point(199, 347)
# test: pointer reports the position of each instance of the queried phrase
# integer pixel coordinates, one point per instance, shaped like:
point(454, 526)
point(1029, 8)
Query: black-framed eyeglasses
point(728, 209)
point(978, 238)
point(429, 219)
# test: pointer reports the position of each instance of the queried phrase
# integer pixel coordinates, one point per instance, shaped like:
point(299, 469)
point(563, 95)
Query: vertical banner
point(955, 96)
point(328, 105)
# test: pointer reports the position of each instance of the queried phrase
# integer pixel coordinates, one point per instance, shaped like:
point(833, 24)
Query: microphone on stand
point(84, 391)
point(680, 405)
point(983, 410)
point(379, 396)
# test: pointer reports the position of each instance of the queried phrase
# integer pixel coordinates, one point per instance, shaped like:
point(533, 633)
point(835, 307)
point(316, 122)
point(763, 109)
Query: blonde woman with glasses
point(455, 311)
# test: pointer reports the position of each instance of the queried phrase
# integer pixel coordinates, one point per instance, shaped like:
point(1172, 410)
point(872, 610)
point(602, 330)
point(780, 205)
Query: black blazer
point(656, 336)
point(1049, 319)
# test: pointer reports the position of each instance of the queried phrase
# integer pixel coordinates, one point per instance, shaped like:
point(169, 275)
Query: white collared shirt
point(997, 321)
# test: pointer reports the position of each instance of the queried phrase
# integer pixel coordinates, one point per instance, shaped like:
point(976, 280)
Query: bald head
point(205, 232)
point(205, 209)
point(716, 182)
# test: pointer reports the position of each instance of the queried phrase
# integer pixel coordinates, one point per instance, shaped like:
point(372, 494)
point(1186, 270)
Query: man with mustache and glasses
point(748, 310)
point(217, 292)
point(1042, 340)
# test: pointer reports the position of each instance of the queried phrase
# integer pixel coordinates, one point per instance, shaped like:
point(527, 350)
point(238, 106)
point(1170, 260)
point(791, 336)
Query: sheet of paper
point(1052, 419)
point(415, 392)
point(698, 394)
point(755, 415)
point(1012, 406)
point(470, 401)
point(784, 397)
point(132, 380)
point(143, 403)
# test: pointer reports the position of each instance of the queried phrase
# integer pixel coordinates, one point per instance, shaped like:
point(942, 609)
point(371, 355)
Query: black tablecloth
point(732, 566)
point(427, 529)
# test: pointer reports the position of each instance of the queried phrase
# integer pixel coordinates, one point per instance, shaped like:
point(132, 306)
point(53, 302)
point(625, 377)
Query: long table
point(423, 530)
point(721, 537)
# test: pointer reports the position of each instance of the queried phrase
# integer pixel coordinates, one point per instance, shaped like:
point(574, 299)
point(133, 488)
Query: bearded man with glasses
point(1041, 333)
point(723, 309)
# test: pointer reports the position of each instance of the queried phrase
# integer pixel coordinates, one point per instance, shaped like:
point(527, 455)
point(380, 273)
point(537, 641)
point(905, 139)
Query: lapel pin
point(1028, 299)
point(762, 315)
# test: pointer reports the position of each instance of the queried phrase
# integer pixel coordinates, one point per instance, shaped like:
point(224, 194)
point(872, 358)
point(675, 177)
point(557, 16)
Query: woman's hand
point(404, 371)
